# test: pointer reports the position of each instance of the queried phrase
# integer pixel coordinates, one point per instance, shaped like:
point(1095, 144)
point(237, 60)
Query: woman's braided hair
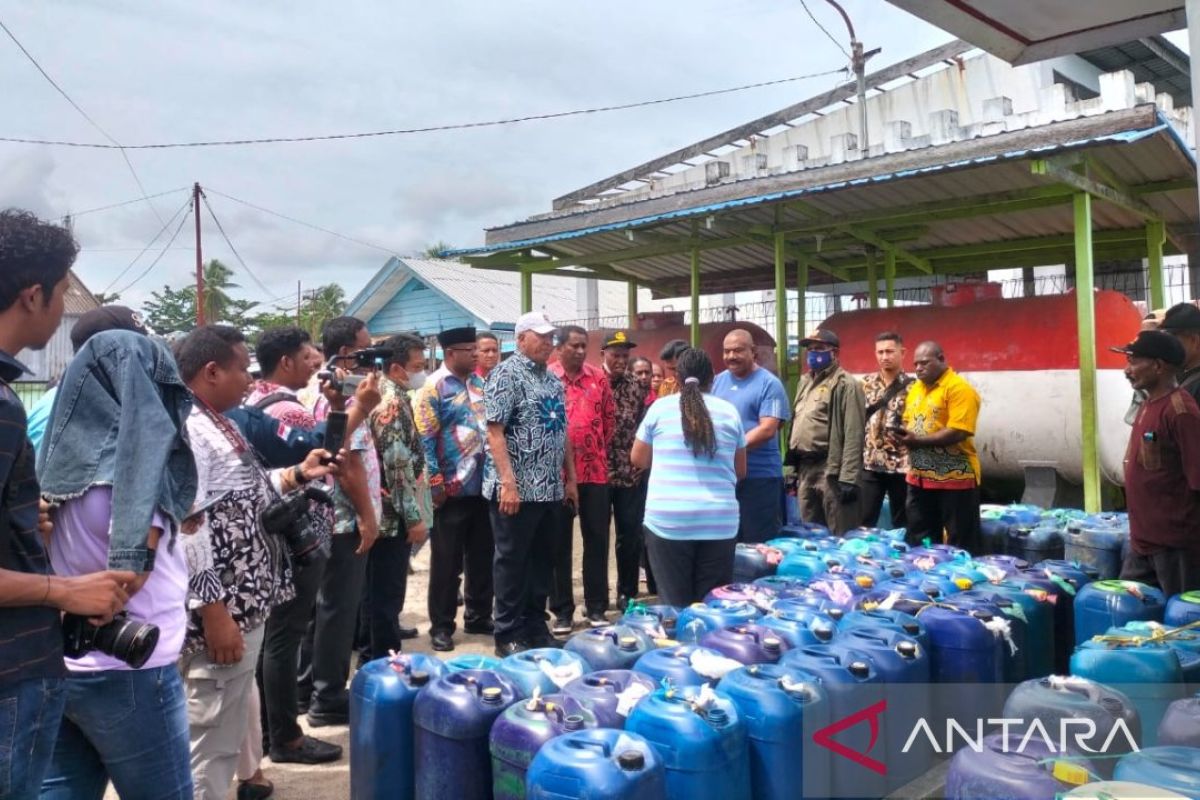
point(695, 374)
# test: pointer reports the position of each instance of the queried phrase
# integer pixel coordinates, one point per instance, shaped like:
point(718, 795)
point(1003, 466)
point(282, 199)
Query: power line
point(75, 214)
point(825, 30)
point(149, 244)
point(86, 116)
point(162, 253)
point(425, 129)
point(236, 254)
point(390, 251)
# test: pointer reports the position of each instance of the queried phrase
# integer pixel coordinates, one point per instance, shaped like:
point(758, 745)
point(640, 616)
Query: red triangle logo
point(870, 714)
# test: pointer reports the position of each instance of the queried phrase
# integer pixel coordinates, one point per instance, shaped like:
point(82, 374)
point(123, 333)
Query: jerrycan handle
point(588, 744)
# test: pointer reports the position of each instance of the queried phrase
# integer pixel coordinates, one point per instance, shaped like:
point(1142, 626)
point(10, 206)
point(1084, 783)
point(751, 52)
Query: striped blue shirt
point(691, 497)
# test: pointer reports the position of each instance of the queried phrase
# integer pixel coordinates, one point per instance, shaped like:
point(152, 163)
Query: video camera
point(289, 518)
point(367, 358)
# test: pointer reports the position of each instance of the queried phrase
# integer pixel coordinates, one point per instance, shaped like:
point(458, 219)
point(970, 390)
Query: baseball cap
point(1181, 317)
point(1154, 344)
point(535, 321)
point(106, 318)
point(618, 339)
point(821, 335)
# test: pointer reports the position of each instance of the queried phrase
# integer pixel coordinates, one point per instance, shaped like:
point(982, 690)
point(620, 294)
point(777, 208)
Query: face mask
point(819, 360)
point(416, 380)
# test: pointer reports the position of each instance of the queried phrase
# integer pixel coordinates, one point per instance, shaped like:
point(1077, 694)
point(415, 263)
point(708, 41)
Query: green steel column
point(1085, 309)
point(872, 280)
point(1156, 234)
point(632, 288)
point(526, 292)
point(695, 298)
point(802, 296)
point(781, 326)
point(889, 276)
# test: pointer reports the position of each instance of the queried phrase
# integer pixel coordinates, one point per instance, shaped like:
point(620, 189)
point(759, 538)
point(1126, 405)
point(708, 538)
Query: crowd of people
point(194, 551)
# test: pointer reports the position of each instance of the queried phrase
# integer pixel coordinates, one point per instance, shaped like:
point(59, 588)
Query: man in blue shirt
point(762, 403)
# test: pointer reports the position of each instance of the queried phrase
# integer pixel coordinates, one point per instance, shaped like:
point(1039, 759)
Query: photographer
point(34, 260)
point(238, 572)
point(120, 413)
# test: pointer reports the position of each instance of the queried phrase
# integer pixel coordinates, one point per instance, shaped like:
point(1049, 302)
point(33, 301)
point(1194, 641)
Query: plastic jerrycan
point(594, 764)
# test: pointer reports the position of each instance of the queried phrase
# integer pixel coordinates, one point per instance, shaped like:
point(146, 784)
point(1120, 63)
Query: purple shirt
point(79, 545)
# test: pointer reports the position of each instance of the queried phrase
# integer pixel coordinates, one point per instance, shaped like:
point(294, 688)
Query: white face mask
point(416, 379)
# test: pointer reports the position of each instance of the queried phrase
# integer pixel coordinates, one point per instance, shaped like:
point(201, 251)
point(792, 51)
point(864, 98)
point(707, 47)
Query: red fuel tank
point(656, 329)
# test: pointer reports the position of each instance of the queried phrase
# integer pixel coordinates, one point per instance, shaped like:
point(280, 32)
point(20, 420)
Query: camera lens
point(129, 640)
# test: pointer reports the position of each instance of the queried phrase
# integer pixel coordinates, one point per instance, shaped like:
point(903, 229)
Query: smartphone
point(335, 433)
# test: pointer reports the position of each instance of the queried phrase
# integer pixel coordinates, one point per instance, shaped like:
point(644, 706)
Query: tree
point(106, 299)
point(171, 310)
point(436, 249)
point(174, 310)
point(316, 308)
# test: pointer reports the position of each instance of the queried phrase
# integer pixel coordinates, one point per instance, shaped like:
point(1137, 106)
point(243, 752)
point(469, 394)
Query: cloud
point(27, 181)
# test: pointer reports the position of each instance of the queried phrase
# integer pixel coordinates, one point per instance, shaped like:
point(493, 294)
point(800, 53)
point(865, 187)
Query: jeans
point(521, 569)
point(285, 629)
point(593, 515)
point(127, 726)
point(30, 714)
point(875, 485)
point(688, 569)
point(383, 598)
point(628, 508)
point(462, 538)
point(760, 509)
point(325, 651)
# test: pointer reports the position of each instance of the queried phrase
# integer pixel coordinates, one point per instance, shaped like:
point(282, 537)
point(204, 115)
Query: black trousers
point(325, 651)
point(279, 661)
point(384, 592)
point(594, 518)
point(628, 508)
point(1173, 570)
point(462, 536)
point(955, 510)
point(521, 569)
point(877, 485)
point(688, 569)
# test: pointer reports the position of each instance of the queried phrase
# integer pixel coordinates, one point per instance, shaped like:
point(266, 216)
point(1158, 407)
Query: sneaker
point(310, 751)
point(562, 625)
point(597, 619)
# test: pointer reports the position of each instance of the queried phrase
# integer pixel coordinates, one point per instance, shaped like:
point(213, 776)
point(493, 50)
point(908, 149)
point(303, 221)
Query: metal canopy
point(994, 202)
point(1032, 30)
point(1152, 60)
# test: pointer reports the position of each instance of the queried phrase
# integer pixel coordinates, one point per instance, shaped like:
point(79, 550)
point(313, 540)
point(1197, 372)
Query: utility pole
point(858, 62)
point(199, 256)
point(299, 302)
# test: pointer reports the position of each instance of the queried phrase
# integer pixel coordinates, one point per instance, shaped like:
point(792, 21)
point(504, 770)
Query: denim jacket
point(120, 420)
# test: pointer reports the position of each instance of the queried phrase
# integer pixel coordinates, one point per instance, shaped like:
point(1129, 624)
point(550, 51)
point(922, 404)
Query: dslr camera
point(124, 638)
point(367, 358)
point(289, 518)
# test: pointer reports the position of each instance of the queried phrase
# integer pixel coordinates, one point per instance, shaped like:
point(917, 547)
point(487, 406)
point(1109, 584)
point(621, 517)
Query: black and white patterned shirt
point(530, 401)
point(230, 557)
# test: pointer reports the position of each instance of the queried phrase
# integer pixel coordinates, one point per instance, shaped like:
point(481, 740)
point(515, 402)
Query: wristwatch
point(298, 475)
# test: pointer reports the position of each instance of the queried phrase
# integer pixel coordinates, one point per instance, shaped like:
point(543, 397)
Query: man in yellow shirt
point(940, 415)
point(667, 356)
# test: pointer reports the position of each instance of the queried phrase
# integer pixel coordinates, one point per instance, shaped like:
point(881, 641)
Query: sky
point(173, 71)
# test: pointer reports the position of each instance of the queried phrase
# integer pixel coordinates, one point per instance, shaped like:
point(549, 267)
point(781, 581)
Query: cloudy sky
point(173, 71)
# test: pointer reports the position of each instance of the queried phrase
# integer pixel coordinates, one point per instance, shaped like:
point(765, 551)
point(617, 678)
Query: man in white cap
point(528, 456)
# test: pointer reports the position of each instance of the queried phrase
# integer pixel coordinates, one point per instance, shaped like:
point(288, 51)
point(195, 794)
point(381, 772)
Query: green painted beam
point(781, 305)
point(695, 297)
point(873, 279)
point(889, 277)
point(1156, 235)
point(526, 292)
point(1085, 310)
point(802, 303)
point(1101, 191)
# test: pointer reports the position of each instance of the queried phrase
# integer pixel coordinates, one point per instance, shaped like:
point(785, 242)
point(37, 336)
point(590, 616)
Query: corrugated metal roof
point(490, 295)
point(1151, 60)
point(1139, 147)
point(78, 299)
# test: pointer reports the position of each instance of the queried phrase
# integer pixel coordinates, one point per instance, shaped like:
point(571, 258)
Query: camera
point(289, 518)
point(367, 358)
point(127, 639)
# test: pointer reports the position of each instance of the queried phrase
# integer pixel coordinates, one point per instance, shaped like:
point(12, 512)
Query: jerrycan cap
point(859, 669)
point(492, 695)
point(823, 631)
point(627, 643)
point(1190, 597)
point(835, 614)
point(772, 644)
point(631, 760)
point(418, 677)
point(716, 716)
point(573, 722)
point(907, 649)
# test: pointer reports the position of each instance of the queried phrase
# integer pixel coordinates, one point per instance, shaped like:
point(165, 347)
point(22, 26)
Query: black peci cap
point(453, 336)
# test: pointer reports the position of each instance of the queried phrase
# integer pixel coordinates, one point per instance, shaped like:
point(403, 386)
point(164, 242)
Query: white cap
point(535, 321)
